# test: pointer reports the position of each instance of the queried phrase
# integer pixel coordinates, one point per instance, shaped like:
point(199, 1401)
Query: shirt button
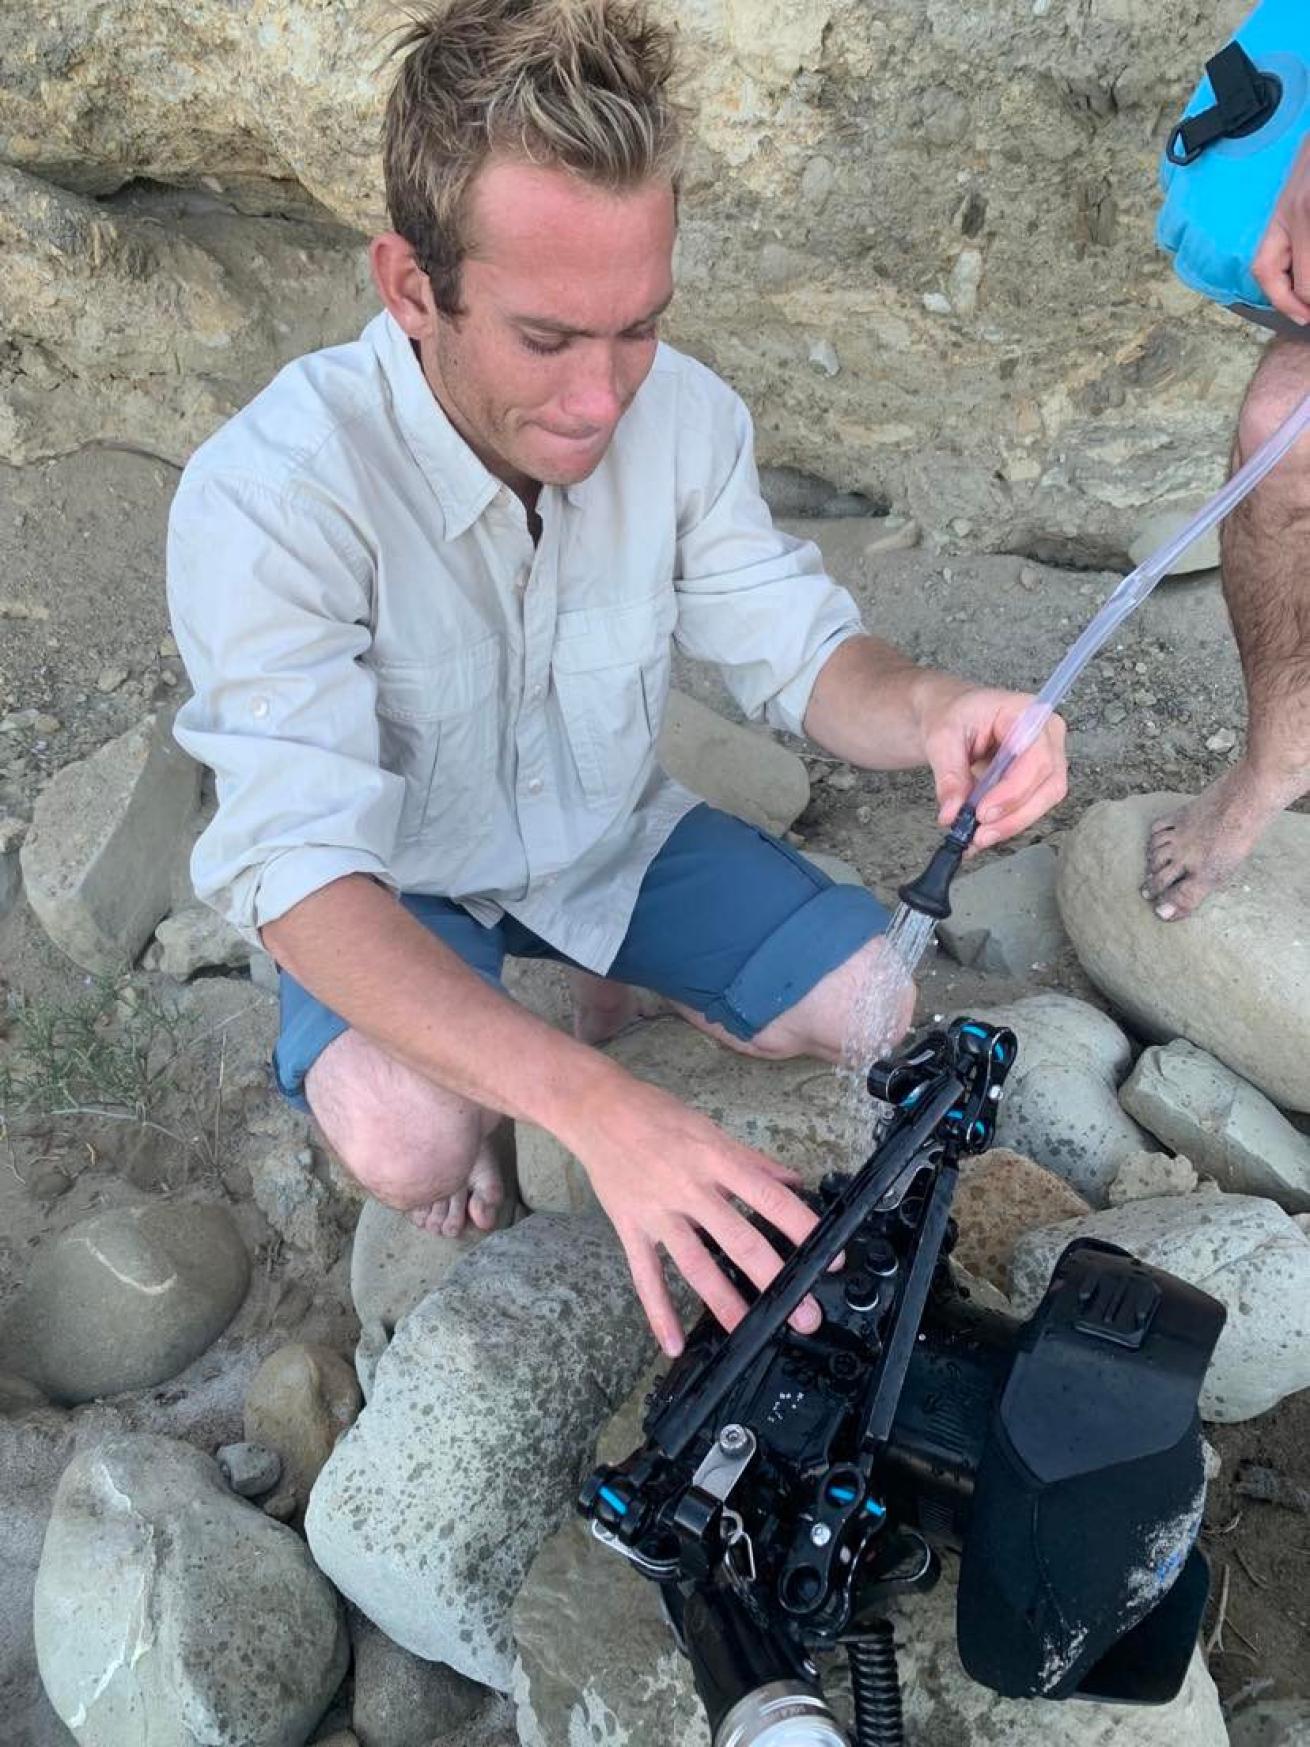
point(259, 706)
point(521, 577)
point(535, 693)
point(535, 785)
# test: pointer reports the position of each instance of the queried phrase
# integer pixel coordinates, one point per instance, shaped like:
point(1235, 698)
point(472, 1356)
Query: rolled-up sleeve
point(752, 600)
point(270, 597)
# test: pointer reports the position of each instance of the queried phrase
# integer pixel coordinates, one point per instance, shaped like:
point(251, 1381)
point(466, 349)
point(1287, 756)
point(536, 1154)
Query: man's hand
point(1282, 262)
point(962, 728)
point(666, 1177)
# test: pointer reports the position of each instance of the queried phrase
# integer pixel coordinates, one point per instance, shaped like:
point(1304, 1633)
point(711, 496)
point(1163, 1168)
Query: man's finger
point(772, 1200)
point(1299, 288)
point(652, 1290)
point(1272, 270)
point(757, 1259)
point(1049, 794)
point(703, 1274)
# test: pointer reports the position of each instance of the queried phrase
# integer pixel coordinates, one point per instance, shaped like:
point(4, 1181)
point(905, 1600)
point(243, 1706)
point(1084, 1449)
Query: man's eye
point(543, 348)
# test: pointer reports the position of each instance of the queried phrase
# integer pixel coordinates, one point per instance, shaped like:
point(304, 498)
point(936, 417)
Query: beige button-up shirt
point(391, 679)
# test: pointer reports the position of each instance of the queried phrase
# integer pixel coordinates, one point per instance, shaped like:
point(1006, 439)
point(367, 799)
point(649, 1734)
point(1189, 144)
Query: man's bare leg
point(411, 1144)
point(820, 1024)
point(1265, 547)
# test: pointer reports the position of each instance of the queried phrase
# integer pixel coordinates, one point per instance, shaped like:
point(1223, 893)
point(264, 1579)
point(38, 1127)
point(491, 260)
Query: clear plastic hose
point(1131, 592)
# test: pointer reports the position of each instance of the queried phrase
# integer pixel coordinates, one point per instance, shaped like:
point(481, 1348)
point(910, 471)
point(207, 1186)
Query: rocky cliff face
point(917, 236)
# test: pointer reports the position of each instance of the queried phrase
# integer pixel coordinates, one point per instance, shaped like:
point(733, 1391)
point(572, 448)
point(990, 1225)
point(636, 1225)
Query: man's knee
point(398, 1135)
point(1279, 386)
point(870, 993)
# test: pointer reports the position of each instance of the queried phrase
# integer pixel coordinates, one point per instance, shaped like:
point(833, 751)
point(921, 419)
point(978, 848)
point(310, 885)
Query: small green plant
point(108, 1047)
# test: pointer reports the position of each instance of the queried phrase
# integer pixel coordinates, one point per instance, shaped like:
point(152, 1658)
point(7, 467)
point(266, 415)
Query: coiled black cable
point(876, 1687)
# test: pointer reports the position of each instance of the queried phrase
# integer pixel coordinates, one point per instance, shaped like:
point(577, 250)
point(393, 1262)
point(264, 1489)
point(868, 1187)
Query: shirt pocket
point(439, 727)
point(610, 668)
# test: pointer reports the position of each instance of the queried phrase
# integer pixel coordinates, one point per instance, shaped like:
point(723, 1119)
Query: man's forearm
point(869, 702)
point(354, 947)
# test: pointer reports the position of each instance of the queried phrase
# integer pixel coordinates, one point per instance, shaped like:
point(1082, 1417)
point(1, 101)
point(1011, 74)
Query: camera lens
point(782, 1714)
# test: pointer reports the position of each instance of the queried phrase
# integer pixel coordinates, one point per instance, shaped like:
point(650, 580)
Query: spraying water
point(925, 901)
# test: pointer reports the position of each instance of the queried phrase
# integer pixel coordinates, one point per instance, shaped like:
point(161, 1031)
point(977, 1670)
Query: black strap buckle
point(1245, 98)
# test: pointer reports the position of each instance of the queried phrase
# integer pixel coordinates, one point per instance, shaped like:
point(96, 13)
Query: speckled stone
point(483, 1417)
point(206, 1619)
point(1002, 1195)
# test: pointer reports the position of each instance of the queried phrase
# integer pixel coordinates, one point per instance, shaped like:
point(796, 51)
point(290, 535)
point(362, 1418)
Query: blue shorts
point(729, 921)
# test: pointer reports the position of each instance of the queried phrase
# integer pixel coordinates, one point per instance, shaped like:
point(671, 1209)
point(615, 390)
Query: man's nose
point(595, 394)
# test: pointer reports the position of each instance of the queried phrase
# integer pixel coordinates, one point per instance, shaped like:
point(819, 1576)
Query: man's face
point(562, 289)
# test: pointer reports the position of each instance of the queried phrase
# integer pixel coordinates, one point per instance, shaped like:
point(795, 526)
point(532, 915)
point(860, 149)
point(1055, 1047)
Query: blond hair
point(580, 84)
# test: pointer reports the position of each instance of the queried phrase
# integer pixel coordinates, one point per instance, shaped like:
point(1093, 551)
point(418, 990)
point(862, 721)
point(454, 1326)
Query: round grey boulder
point(1232, 978)
point(206, 1625)
point(126, 1299)
point(1061, 1105)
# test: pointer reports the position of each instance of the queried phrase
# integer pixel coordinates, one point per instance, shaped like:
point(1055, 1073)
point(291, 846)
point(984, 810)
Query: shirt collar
point(463, 486)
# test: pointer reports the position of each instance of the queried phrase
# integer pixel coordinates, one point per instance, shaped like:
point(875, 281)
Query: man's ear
point(402, 284)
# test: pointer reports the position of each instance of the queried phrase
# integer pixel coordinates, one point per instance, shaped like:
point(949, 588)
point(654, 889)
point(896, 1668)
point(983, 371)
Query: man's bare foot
point(602, 1009)
point(478, 1201)
point(1197, 849)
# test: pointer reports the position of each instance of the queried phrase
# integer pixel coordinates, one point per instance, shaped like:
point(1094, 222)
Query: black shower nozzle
point(930, 894)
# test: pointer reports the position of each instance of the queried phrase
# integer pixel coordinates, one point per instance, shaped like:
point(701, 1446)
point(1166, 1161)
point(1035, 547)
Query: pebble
point(843, 781)
point(1028, 577)
point(823, 355)
point(110, 678)
point(249, 1469)
point(796, 839)
point(281, 1506)
point(47, 724)
point(167, 647)
point(1223, 741)
point(864, 815)
point(936, 304)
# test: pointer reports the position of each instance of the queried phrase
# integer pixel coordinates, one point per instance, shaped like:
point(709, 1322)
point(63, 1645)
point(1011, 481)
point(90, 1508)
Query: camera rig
point(790, 1484)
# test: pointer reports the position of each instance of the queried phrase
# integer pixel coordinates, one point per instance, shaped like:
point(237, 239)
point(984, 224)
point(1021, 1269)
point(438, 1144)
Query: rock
point(190, 300)
point(1061, 1105)
point(597, 1662)
point(19, 1396)
point(1230, 1131)
point(393, 1267)
point(1232, 978)
point(206, 1621)
point(1244, 1251)
point(1143, 1176)
point(195, 939)
point(741, 770)
point(34, 1451)
point(300, 1402)
point(1000, 1196)
point(1154, 531)
point(895, 534)
point(249, 1469)
point(295, 1203)
point(1004, 916)
point(12, 833)
point(484, 1412)
point(1271, 1723)
point(840, 872)
point(402, 1701)
point(796, 1111)
point(126, 1299)
point(108, 836)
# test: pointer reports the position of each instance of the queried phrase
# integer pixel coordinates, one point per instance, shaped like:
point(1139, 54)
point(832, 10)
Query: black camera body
point(789, 1484)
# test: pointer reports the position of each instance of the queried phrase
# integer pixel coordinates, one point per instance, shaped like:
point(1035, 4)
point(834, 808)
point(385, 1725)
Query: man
point(1267, 589)
point(425, 586)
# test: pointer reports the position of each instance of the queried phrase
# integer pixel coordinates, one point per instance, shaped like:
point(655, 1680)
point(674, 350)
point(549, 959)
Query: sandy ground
point(84, 651)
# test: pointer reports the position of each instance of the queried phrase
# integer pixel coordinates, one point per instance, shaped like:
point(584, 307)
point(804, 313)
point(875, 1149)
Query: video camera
point(790, 1484)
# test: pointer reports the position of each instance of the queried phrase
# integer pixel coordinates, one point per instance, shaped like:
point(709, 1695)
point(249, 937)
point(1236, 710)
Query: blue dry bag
point(1228, 158)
